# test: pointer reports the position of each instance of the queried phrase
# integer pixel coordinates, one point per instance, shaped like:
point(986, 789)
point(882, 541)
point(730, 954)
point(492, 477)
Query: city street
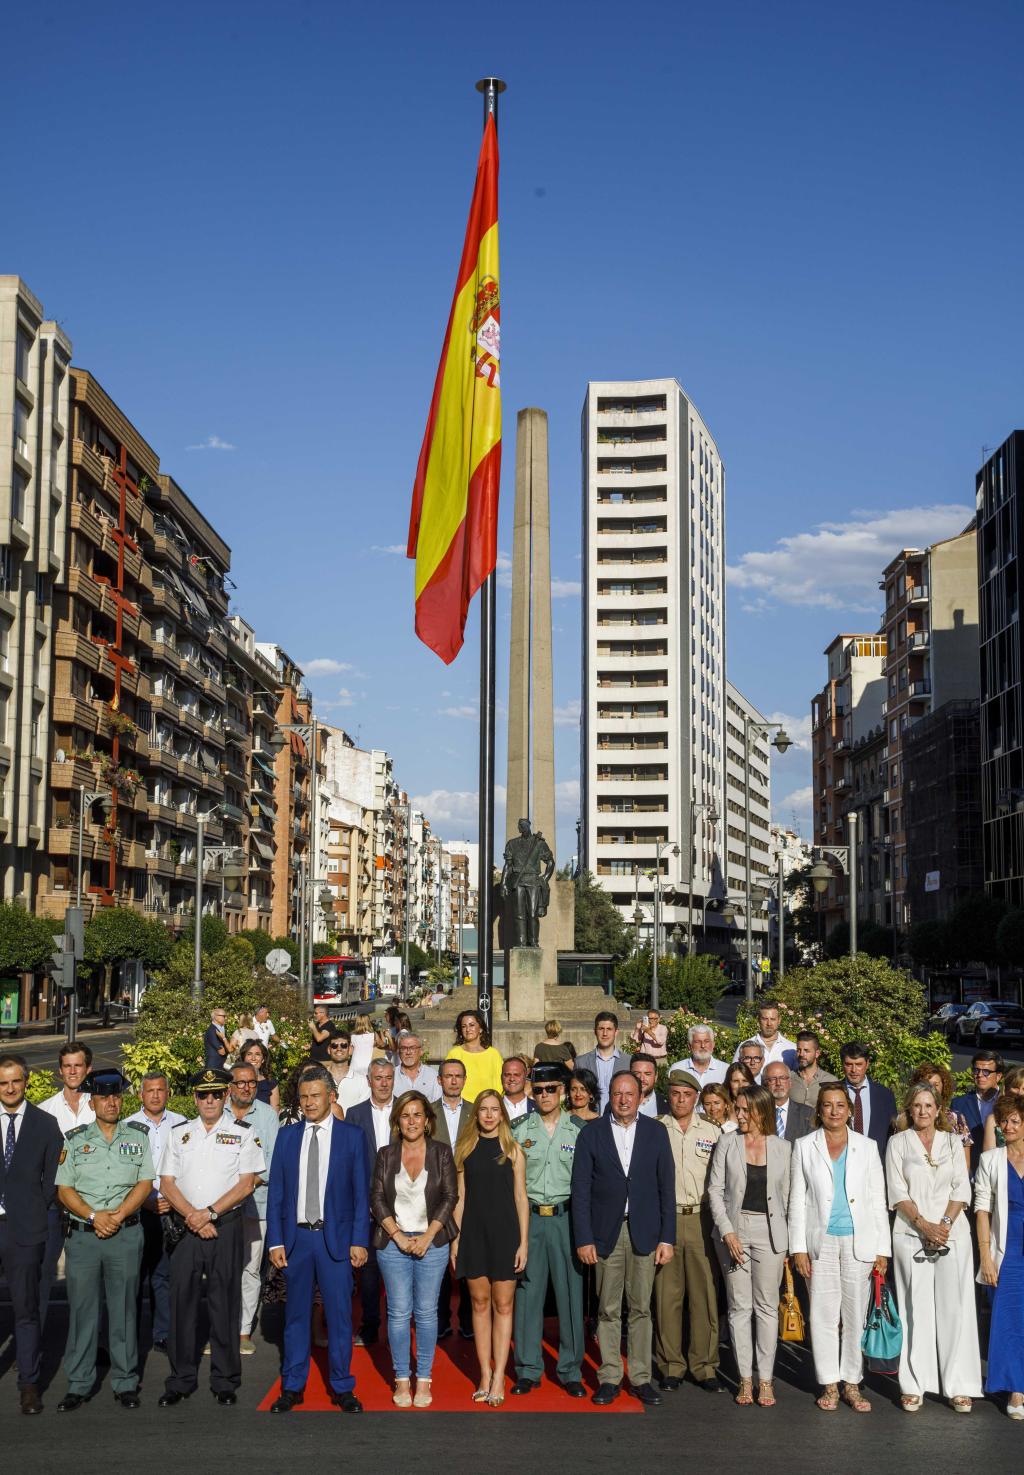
point(733, 1438)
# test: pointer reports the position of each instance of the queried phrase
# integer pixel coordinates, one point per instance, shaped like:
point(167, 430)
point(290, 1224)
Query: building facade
point(653, 740)
point(747, 735)
point(34, 447)
point(942, 810)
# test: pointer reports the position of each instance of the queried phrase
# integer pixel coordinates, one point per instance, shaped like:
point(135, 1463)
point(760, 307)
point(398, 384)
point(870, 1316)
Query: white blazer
point(990, 1195)
point(811, 1191)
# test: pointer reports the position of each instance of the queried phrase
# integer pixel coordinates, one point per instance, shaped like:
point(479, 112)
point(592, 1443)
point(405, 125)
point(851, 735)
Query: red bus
point(339, 981)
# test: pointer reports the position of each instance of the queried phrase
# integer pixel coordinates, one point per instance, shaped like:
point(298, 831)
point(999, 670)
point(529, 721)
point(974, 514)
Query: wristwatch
point(946, 1220)
point(92, 1218)
point(214, 1216)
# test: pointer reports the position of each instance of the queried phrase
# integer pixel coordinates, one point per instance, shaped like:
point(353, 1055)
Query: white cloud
point(345, 698)
point(838, 564)
point(324, 666)
point(469, 710)
point(457, 810)
point(213, 443)
point(795, 809)
point(569, 714)
point(504, 570)
point(565, 588)
point(397, 549)
point(567, 796)
point(797, 728)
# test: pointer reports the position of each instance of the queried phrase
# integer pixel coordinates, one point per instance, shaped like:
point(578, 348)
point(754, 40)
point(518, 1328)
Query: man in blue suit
point(976, 1107)
point(318, 1228)
point(874, 1106)
point(624, 1222)
point(373, 1118)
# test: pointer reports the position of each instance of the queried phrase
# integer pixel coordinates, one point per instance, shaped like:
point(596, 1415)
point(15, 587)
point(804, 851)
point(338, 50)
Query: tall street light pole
point(781, 742)
point(782, 915)
point(197, 955)
point(712, 818)
point(673, 849)
point(845, 857)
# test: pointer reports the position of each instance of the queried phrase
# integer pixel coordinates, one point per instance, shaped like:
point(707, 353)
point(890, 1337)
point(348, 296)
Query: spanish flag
point(453, 527)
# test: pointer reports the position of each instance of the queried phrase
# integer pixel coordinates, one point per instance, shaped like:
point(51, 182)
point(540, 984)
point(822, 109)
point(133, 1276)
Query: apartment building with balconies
point(250, 779)
point(365, 777)
point(844, 714)
point(34, 418)
point(653, 748)
point(294, 844)
point(747, 788)
point(931, 628)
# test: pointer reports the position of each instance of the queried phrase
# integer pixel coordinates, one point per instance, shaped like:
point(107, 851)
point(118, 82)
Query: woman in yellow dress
point(482, 1061)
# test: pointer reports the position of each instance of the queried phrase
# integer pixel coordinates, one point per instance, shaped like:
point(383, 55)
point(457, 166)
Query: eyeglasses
point(207, 1095)
point(544, 1090)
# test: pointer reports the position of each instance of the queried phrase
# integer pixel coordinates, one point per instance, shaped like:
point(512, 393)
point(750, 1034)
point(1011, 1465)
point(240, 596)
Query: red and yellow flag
point(453, 527)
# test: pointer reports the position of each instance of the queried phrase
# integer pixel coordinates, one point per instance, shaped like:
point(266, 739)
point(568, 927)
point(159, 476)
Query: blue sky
point(248, 220)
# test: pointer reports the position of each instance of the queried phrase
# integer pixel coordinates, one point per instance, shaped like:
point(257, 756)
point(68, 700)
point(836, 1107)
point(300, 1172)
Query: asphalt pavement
point(40, 1050)
point(710, 1427)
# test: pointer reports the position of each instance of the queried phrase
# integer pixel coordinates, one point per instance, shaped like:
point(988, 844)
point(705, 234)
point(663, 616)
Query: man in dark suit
point(976, 1106)
point(215, 1041)
point(874, 1106)
point(30, 1149)
point(624, 1223)
point(318, 1230)
point(652, 1102)
point(605, 1058)
point(792, 1119)
point(373, 1118)
point(452, 1113)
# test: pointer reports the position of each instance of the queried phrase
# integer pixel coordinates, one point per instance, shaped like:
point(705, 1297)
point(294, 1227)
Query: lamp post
point(673, 849)
point(782, 914)
point(712, 818)
point(781, 742)
point(197, 950)
point(845, 856)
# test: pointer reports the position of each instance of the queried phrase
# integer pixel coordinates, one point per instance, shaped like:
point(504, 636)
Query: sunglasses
point(544, 1090)
point(206, 1095)
point(977, 1070)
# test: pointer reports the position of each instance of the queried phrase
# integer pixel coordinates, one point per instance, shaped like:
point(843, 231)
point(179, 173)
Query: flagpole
point(491, 87)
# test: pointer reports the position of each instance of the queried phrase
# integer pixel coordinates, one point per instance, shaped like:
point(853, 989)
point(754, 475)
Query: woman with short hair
point(412, 1201)
point(552, 1049)
point(928, 1192)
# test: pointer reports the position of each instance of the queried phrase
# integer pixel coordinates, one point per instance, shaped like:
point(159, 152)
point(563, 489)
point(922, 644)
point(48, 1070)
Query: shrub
point(147, 1055)
point(41, 1084)
point(694, 984)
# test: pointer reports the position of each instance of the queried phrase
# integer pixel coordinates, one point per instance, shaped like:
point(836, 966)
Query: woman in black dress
point(493, 1218)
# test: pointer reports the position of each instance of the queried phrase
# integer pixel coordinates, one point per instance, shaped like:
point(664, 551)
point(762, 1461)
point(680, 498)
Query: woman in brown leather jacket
point(412, 1199)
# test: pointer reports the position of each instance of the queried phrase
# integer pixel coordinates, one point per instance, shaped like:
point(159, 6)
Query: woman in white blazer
point(999, 1217)
point(748, 1191)
point(931, 1248)
point(838, 1234)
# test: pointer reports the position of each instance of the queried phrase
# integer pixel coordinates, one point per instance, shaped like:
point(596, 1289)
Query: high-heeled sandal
point(765, 1394)
point(481, 1395)
point(829, 1399)
point(745, 1393)
point(855, 1398)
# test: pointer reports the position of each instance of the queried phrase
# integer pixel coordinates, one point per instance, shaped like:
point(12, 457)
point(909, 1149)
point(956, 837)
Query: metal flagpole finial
point(492, 88)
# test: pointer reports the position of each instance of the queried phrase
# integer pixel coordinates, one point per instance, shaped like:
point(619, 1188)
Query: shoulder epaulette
point(139, 1126)
point(246, 1125)
point(76, 1131)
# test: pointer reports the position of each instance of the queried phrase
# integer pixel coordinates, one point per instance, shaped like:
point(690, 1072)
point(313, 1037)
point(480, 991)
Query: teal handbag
point(882, 1341)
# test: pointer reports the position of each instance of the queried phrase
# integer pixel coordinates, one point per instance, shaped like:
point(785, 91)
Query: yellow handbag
point(791, 1318)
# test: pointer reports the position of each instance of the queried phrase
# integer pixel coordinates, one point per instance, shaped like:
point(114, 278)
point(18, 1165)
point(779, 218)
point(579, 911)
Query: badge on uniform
point(568, 1147)
point(228, 1139)
point(528, 1143)
point(706, 1144)
point(184, 1137)
point(63, 1155)
point(85, 1147)
point(130, 1149)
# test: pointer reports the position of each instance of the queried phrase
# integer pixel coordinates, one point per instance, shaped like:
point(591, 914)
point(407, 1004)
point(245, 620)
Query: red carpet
point(454, 1380)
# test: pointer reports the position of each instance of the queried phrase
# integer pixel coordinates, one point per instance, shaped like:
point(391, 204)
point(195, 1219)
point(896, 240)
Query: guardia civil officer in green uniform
point(103, 1179)
point(548, 1139)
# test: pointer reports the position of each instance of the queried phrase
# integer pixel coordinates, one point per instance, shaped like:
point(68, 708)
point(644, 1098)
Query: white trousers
point(254, 1234)
point(840, 1290)
point(940, 1325)
point(752, 1290)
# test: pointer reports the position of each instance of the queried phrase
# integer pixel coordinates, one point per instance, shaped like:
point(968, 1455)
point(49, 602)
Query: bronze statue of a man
point(529, 866)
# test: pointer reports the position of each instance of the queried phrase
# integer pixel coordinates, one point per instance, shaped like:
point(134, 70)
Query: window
point(3, 715)
point(5, 642)
point(42, 588)
point(21, 418)
point(6, 574)
point(19, 496)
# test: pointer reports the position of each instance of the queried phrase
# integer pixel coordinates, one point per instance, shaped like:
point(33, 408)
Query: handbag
point(791, 1318)
point(882, 1341)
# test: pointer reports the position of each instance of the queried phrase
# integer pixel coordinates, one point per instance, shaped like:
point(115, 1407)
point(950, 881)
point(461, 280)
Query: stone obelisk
point(531, 721)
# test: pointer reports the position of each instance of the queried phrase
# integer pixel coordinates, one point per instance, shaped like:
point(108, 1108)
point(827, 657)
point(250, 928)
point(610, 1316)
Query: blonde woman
point(493, 1220)
point(245, 1030)
point(552, 1049)
point(362, 1045)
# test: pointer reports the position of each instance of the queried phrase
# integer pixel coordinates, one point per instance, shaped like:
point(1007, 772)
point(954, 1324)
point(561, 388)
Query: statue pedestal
point(525, 983)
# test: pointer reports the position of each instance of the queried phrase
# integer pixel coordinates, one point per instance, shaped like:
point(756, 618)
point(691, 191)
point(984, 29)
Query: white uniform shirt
point(205, 1164)
point(158, 1135)
point(381, 1123)
point(57, 1106)
point(324, 1146)
point(263, 1030)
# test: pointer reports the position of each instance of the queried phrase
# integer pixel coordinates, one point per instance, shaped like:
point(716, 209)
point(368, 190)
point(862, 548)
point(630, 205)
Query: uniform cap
point(549, 1073)
point(683, 1078)
point(212, 1079)
point(106, 1083)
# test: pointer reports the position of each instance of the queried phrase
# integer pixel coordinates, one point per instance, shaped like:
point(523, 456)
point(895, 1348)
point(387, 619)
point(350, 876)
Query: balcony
point(70, 711)
point(70, 646)
point(920, 640)
point(917, 594)
point(920, 689)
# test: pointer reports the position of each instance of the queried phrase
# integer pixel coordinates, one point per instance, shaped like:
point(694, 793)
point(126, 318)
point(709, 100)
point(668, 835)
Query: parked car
point(944, 1019)
point(986, 1023)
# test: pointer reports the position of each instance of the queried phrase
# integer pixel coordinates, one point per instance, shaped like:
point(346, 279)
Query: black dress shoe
point(69, 1403)
point(668, 1382)
point(226, 1398)
point(574, 1390)
point(348, 1403)
point(286, 1402)
point(710, 1385)
point(128, 1400)
point(30, 1400)
point(606, 1393)
point(524, 1385)
point(367, 1336)
point(160, 1345)
point(646, 1394)
point(170, 1398)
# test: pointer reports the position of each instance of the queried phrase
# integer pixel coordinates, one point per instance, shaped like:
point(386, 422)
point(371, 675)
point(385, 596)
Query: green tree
point(418, 958)
point(872, 939)
point(930, 943)
point(633, 978)
point(117, 933)
point(974, 926)
point(26, 941)
point(599, 924)
point(213, 933)
point(1010, 937)
point(262, 942)
point(692, 984)
point(324, 949)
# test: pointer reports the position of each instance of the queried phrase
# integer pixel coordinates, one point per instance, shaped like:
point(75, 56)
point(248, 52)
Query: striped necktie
point(780, 1122)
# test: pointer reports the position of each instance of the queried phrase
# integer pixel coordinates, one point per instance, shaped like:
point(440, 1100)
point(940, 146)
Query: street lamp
point(638, 922)
point(781, 742)
point(660, 848)
point(677, 934)
point(711, 814)
point(845, 856)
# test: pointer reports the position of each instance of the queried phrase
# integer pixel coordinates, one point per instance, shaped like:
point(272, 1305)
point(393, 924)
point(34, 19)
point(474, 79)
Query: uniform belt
point(85, 1228)
point(550, 1211)
point(689, 1209)
point(318, 1224)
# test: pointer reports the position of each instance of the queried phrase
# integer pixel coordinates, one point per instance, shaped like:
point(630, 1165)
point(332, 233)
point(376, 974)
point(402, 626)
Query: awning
point(268, 809)
point(265, 850)
point(209, 761)
point(266, 767)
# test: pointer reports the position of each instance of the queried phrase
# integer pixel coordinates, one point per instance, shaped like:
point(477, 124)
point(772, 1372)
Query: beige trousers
point(624, 1272)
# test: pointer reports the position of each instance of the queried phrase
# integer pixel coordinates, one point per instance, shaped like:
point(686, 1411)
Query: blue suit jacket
point(600, 1188)
point(968, 1108)
point(361, 1116)
point(347, 1201)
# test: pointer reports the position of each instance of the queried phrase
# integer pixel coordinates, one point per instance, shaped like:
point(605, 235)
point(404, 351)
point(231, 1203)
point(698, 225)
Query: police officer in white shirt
point(155, 1278)
point(263, 1027)
point(207, 1170)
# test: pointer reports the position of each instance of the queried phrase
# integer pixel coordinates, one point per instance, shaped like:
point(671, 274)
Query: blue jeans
point(413, 1287)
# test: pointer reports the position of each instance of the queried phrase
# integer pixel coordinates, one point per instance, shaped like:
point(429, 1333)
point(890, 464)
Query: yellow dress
point(483, 1070)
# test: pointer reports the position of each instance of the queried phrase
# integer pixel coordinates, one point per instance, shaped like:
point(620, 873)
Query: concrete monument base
point(525, 982)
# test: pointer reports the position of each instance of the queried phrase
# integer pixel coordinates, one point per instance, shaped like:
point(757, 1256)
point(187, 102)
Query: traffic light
point(62, 965)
